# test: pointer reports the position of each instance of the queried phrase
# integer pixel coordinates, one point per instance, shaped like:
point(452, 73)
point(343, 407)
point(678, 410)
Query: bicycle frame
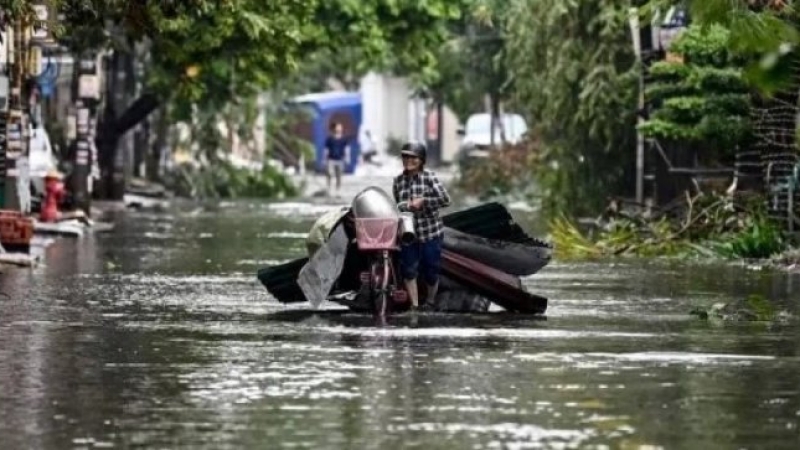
point(379, 225)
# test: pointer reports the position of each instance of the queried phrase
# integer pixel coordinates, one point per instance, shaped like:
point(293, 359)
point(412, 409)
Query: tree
point(208, 53)
point(765, 31)
point(486, 55)
point(704, 100)
point(472, 64)
point(575, 77)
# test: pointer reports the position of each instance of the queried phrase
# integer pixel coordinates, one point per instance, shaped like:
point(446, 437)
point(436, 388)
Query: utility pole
point(640, 104)
point(640, 141)
point(87, 96)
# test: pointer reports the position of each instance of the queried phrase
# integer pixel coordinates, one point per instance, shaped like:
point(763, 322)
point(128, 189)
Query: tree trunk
point(126, 160)
point(155, 151)
point(112, 183)
point(135, 113)
point(496, 120)
point(109, 136)
point(115, 150)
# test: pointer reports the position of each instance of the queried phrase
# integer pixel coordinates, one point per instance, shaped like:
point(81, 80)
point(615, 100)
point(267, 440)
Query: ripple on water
point(467, 333)
point(287, 235)
point(262, 262)
point(172, 280)
point(301, 209)
point(613, 360)
point(506, 434)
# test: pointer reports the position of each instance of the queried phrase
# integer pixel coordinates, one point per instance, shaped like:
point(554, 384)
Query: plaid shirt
point(425, 185)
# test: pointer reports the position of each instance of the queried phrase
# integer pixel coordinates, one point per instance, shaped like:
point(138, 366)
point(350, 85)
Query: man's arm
point(439, 198)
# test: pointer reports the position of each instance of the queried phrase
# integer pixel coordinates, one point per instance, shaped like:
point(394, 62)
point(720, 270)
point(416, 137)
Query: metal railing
point(787, 185)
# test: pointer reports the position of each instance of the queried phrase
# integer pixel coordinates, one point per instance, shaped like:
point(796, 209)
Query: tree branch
point(136, 112)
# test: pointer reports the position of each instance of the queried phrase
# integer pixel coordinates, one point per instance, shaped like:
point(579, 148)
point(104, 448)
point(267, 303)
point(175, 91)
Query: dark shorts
point(422, 259)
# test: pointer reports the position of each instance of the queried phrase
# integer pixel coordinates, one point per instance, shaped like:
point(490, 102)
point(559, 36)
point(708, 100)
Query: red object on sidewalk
point(53, 194)
point(16, 230)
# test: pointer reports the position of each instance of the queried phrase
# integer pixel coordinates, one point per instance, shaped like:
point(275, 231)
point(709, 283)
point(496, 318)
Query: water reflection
point(158, 335)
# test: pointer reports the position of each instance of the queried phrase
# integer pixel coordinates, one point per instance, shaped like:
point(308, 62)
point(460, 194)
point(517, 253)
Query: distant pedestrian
point(367, 144)
point(337, 152)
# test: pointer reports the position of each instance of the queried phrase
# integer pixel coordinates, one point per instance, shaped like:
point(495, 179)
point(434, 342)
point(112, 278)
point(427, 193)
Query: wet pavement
point(158, 335)
point(315, 184)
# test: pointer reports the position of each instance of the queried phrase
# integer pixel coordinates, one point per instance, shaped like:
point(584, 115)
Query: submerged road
point(158, 335)
point(315, 186)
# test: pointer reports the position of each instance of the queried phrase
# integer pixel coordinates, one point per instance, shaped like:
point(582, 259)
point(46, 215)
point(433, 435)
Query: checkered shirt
point(425, 184)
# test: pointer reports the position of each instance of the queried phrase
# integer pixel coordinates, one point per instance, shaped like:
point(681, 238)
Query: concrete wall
point(372, 108)
point(387, 108)
point(451, 137)
point(390, 111)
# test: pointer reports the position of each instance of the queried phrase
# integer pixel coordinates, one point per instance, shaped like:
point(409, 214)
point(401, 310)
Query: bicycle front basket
point(376, 233)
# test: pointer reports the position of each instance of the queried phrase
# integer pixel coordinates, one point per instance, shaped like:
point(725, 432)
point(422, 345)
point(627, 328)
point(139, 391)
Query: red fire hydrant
point(53, 194)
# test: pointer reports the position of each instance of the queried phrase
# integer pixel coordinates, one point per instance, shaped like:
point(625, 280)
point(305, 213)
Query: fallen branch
point(704, 212)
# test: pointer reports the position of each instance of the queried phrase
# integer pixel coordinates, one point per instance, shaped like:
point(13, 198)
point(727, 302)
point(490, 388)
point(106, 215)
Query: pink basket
point(376, 234)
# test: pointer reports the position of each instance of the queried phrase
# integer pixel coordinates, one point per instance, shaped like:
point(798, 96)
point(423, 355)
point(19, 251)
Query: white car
point(477, 136)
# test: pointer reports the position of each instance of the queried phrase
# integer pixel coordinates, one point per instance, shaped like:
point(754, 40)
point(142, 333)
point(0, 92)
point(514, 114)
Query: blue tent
point(344, 107)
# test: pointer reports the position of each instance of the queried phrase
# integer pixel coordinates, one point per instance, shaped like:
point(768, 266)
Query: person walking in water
point(419, 191)
point(337, 148)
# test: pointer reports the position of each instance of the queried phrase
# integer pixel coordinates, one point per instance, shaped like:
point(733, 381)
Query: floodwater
point(158, 335)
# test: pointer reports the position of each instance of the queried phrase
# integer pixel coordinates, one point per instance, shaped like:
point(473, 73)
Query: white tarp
point(322, 228)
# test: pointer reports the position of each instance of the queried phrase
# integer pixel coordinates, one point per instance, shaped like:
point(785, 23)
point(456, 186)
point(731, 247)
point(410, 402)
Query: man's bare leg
point(430, 299)
point(413, 295)
point(338, 178)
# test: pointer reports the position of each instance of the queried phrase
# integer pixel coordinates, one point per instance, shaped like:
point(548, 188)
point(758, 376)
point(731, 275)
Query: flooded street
point(159, 335)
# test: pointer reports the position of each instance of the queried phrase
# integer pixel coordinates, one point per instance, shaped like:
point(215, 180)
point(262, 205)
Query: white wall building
point(388, 111)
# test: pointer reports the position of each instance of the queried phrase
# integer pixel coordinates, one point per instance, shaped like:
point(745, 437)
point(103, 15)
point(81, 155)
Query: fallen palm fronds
point(706, 225)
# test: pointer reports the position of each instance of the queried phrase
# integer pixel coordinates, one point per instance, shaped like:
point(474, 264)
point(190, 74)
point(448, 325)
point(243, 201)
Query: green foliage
point(575, 79)
point(506, 169)
point(704, 100)
point(766, 35)
point(755, 26)
point(619, 238)
point(753, 308)
point(436, 44)
point(706, 46)
point(210, 52)
point(209, 59)
point(223, 180)
point(484, 47)
point(403, 38)
point(454, 79)
point(710, 226)
point(229, 50)
point(759, 239)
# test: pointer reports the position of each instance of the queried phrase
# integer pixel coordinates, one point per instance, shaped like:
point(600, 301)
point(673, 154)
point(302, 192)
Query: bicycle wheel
point(380, 281)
